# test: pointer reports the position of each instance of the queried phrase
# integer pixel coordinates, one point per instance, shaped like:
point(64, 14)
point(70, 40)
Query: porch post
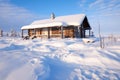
point(29, 32)
point(83, 31)
point(79, 31)
point(34, 32)
point(22, 33)
point(48, 32)
point(89, 32)
point(61, 31)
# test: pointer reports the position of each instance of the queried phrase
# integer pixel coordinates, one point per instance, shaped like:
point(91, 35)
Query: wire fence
point(110, 40)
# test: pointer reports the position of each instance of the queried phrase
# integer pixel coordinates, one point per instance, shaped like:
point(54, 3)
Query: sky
point(16, 13)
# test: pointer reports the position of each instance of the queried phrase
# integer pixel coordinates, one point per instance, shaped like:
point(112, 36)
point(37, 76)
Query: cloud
point(96, 3)
point(102, 7)
point(12, 16)
point(106, 12)
point(81, 3)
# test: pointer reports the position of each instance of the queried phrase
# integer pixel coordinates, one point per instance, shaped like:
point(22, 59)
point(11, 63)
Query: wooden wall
point(55, 31)
point(68, 32)
point(31, 32)
point(38, 32)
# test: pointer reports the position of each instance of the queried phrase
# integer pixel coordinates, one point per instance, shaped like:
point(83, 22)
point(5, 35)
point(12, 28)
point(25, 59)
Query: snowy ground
point(58, 59)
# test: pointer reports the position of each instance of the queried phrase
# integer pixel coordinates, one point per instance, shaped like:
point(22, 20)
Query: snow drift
point(58, 59)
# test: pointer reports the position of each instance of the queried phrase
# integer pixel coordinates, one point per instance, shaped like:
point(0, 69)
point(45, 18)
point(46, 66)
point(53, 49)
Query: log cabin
point(70, 26)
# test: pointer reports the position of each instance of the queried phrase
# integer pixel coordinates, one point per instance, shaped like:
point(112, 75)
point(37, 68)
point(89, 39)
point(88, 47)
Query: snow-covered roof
point(75, 20)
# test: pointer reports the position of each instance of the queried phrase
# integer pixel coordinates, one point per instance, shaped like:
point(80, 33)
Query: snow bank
point(88, 40)
point(57, 59)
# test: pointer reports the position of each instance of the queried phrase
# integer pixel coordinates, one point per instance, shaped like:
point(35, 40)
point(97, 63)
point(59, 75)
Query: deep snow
point(58, 59)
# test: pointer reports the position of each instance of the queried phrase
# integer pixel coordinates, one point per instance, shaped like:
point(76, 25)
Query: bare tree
point(1, 32)
point(13, 33)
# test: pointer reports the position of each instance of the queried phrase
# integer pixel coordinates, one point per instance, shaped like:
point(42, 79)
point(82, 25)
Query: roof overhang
point(46, 25)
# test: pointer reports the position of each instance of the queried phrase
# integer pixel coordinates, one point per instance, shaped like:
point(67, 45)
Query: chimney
point(52, 16)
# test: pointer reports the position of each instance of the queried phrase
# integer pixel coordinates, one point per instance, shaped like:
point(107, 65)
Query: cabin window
point(56, 30)
point(31, 32)
point(69, 31)
point(38, 32)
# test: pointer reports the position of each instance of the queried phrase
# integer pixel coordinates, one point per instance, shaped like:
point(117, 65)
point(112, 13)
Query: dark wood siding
point(38, 32)
point(55, 32)
point(69, 32)
point(31, 32)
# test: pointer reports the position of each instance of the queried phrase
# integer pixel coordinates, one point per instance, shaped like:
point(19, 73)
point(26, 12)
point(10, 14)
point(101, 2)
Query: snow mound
point(58, 59)
point(88, 40)
point(13, 47)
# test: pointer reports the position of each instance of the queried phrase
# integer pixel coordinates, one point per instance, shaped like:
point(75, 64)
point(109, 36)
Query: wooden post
point(22, 33)
point(89, 33)
point(48, 32)
point(29, 32)
point(61, 31)
point(83, 31)
point(79, 32)
point(34, 32)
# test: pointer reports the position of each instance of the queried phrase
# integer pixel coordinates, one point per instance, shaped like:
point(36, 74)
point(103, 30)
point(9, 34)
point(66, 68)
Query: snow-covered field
point(58, 59)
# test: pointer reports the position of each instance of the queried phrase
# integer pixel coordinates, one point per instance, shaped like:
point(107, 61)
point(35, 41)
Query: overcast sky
point(16, 13)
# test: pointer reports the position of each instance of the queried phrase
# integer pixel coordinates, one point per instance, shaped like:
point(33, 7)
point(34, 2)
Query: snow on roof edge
point(45, 25)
